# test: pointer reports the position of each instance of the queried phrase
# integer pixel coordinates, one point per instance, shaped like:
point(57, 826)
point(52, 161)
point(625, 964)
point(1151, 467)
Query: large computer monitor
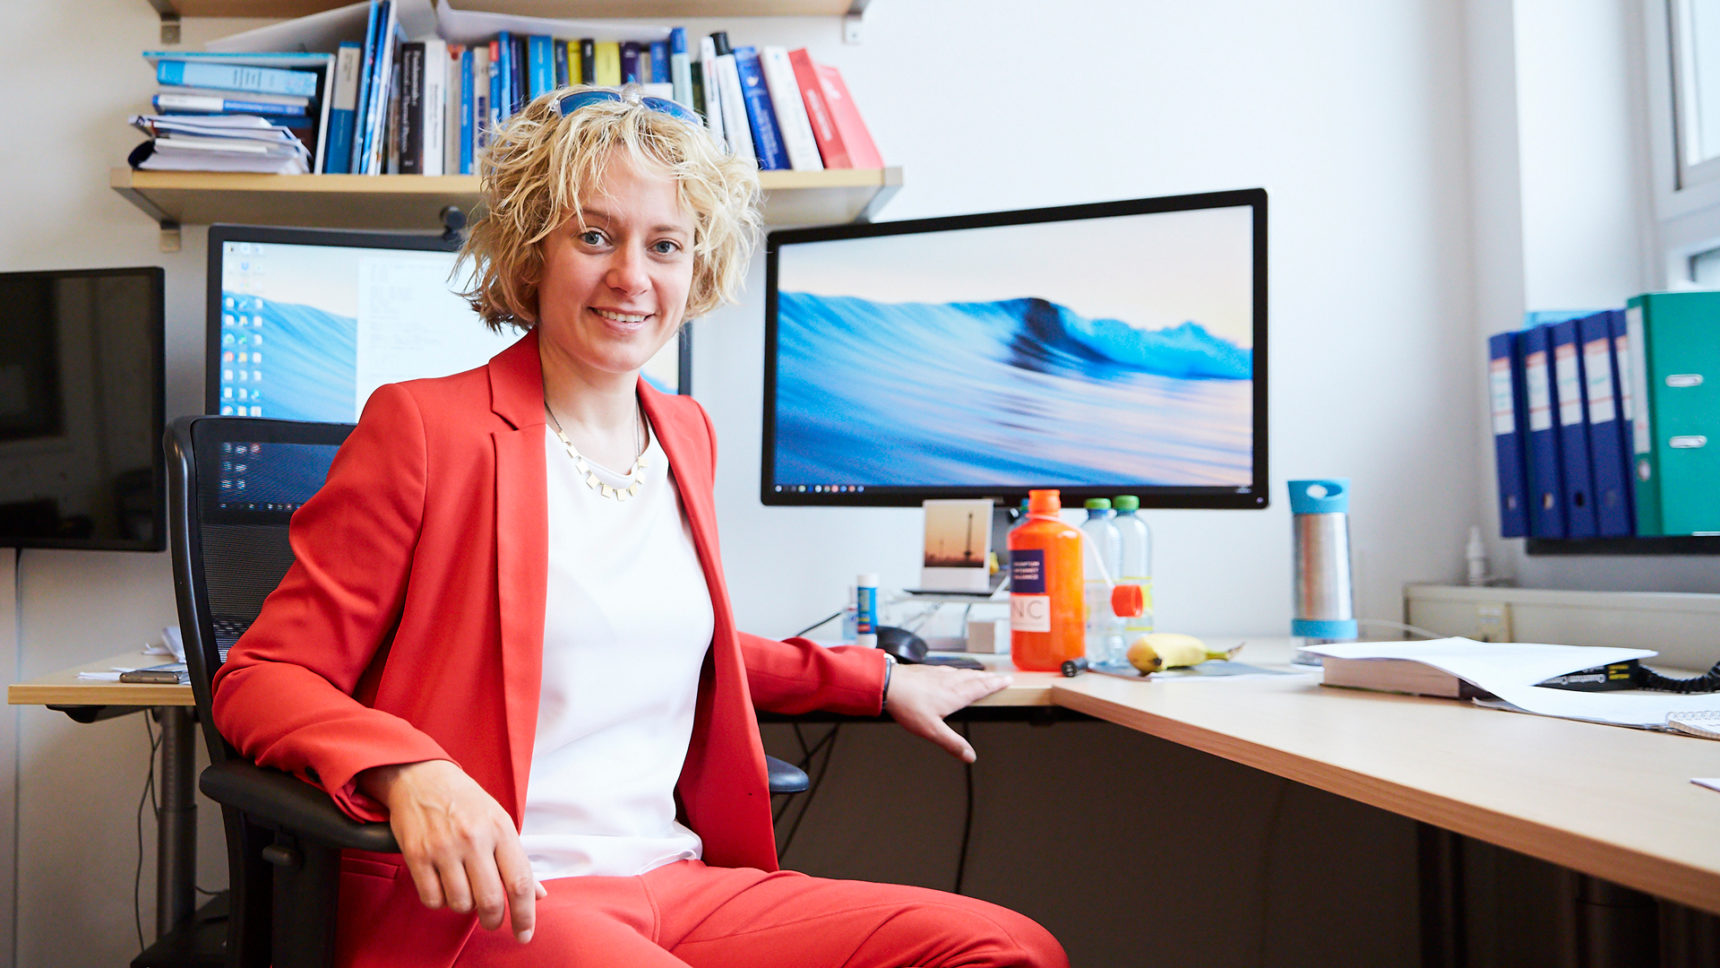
point(1115, 348)
point(304, 324)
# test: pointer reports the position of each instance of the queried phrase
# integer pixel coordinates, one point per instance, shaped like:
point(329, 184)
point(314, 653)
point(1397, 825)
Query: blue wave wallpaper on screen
point(1005, 392)
point(307, 368)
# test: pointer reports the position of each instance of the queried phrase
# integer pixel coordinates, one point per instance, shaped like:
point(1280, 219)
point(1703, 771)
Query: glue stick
point(866, 610)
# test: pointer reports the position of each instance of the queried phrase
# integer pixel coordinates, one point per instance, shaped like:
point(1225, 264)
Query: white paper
point(469, 27)
point(1489, 665)
point(324, 31)
point(1510, 670)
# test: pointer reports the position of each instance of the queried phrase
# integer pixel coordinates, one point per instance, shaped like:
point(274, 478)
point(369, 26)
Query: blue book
point(1571, 415)
point(366, 68)
point(1612, 497)
point(343, 105)
point(1618, 324)
point(630, 72)
point(1505, 385)
point(373, 124)
point(540, 72)
point(1546, 486)
point(236, 77)
point(468, 105)
point(560, 58)
point(659, 62)
point(761, 115)
point(173, 102)
point(498, 90)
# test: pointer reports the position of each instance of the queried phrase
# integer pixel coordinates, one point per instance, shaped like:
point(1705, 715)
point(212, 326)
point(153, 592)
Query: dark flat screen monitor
point(304, 324)
point(81, 461)
point(1104, 349)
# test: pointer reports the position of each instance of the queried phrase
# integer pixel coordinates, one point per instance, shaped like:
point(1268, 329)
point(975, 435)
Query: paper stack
point(226, 142)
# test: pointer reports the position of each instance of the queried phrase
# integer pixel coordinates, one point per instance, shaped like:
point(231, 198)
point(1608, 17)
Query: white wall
point(1351, 113)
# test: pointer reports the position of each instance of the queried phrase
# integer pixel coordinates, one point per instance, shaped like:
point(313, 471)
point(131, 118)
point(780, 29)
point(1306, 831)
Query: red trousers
point(687, 914)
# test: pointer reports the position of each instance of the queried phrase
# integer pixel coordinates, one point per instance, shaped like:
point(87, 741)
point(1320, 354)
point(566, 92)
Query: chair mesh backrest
point(234, 484)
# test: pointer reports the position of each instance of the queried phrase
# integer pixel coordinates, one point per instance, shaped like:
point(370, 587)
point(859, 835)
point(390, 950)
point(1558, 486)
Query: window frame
point(1686, 198)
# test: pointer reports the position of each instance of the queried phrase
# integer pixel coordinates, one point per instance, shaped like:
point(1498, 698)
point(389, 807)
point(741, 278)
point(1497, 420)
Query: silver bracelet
point(889, 667)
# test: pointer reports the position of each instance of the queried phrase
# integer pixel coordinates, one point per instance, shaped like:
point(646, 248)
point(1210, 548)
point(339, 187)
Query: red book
point(862, 153)
point(830, 146)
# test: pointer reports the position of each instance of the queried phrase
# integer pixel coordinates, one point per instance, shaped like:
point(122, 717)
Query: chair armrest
point(785, 777)
point(279, 800)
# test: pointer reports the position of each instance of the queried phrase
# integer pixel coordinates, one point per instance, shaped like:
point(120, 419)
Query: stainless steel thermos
point(1325, 601)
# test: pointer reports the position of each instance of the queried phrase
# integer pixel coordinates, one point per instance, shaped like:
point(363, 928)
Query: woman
point(507, 633)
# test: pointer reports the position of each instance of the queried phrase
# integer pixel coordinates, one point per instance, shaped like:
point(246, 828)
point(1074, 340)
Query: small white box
point(988, 635)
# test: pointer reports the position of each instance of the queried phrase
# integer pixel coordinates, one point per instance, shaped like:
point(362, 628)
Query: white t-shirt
point(627, 623)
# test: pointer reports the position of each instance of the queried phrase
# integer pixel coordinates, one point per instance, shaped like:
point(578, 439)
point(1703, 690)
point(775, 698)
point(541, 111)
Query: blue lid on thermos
point(1324, 606)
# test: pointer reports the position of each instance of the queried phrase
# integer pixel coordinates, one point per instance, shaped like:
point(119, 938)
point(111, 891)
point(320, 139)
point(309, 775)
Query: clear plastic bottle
point(1045, 627)
point(1137, 568)
point(1101, 560)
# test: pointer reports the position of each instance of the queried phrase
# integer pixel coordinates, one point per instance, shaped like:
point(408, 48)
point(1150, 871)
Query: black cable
point(817, 781)
point(1646, 678)
point(148, 796)
point(967, 817)
point(832, 615)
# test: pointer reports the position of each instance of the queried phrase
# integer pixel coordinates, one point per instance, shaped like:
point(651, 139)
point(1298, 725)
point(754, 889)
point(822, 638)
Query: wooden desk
point(1610, 802)
point(87, 700)
point(1606, 801)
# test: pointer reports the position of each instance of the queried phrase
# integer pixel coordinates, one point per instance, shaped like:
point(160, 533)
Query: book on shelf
point(343, 108)
point(238, 142)
point(856, 139)
point(314, 72)
point(761, 114)
point(184, 71)
point(737, 129)
point(169, 101)
point(711, 101)
point(680, 66)
point(453, 92)
point(829, 140)
point(792, 122)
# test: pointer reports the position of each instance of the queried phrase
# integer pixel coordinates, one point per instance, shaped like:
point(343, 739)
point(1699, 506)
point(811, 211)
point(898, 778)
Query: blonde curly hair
point(536, 167)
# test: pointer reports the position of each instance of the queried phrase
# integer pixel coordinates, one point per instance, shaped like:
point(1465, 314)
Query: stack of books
point(234, 112)
point(1606, 423)
point(402, 87)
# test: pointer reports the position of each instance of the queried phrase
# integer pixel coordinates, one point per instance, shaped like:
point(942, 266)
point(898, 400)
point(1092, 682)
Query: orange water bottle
point(1047, 617)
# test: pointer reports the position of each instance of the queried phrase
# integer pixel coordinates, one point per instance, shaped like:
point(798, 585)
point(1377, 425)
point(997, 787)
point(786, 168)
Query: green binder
point(1675, 375)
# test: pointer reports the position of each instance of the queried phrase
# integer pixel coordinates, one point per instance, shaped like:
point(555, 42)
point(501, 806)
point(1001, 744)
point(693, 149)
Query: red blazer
point(411, 628)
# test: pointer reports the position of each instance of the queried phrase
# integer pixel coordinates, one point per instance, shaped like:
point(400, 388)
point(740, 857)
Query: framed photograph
point(957, 551)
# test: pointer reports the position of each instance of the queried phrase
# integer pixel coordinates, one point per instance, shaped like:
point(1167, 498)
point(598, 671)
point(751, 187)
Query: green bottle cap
point(1098, 504)
point(1126, 502)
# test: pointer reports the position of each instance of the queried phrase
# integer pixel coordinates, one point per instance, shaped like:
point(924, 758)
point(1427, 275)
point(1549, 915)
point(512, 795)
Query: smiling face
point(615, 277)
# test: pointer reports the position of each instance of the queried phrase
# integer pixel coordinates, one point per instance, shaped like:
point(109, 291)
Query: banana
point(1168, 650)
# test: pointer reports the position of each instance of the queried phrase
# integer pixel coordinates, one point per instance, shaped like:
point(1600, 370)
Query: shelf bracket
point(170, 239)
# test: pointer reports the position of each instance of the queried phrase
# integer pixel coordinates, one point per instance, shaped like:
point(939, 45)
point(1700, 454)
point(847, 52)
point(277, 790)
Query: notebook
point(1703, 723)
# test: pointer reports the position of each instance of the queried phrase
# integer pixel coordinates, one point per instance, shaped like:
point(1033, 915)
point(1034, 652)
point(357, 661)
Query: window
point(1682, 62)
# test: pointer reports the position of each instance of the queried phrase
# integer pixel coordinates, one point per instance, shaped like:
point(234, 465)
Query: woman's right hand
point(458, 842)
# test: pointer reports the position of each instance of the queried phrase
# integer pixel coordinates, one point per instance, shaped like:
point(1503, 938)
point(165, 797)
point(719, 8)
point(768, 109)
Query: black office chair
point(233, 483)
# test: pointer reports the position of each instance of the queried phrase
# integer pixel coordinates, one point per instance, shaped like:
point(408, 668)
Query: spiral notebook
point(1705, 723)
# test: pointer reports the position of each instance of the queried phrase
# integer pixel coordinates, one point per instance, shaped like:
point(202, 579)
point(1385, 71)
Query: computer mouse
point(901, 643)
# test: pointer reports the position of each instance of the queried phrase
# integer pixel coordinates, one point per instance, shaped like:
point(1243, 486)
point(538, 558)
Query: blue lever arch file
point(1570, 414)
point(1607, 454)
point(1505, 386)
point(1546, 486)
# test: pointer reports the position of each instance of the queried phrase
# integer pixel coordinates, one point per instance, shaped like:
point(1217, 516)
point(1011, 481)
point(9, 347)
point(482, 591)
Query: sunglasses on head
point(578, 99)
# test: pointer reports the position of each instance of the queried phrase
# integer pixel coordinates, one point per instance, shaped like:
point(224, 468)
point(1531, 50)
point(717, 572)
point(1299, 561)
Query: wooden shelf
point(414, 202)
point(564, 9)
point(1686, 544)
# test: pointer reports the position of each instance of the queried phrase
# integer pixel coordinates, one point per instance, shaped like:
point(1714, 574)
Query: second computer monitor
point(1116, 348)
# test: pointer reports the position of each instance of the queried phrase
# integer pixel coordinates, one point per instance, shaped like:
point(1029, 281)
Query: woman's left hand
point(922, 695)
